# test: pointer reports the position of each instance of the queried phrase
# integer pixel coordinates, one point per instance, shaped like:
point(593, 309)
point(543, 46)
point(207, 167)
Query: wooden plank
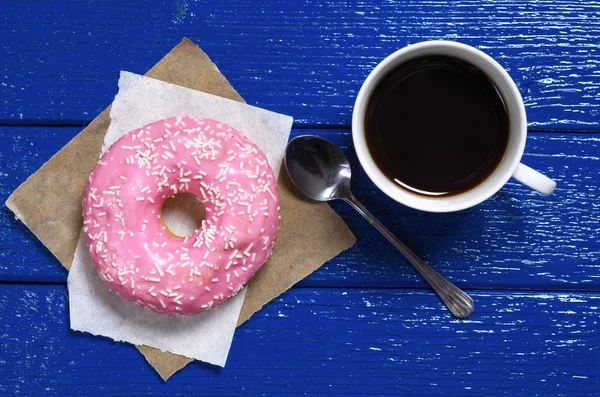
point(518, 239)
point(61, 59)
point(324, 342)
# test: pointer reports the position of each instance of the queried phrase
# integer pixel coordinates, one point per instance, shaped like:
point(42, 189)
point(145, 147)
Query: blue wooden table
point(365, 323)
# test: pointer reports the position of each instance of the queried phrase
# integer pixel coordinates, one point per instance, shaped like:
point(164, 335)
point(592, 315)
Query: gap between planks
point(371, 288)
point(297, 126)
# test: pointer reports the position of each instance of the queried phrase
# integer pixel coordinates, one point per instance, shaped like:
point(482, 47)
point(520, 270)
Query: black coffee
point(436, 126)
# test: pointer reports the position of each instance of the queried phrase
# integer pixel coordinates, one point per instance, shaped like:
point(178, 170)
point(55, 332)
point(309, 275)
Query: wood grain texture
point(60, 60)
point(518, 239)
point(324, 342)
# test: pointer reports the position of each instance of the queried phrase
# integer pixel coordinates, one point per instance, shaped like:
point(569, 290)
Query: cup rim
point(505, 168)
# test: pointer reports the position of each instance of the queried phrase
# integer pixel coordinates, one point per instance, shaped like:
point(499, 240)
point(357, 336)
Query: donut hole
point(182, 214)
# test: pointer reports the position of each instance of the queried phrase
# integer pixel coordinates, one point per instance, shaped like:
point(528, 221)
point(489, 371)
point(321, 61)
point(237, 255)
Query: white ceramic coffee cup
point(510, 165)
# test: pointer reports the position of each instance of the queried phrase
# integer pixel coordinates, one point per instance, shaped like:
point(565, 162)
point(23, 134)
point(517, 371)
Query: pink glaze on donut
point(133, 251)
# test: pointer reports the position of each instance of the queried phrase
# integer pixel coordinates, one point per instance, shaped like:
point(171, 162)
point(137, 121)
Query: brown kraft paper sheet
point(49, 202)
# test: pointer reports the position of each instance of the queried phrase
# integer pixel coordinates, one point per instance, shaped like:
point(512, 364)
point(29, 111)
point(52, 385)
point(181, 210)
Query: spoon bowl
point(318, 168)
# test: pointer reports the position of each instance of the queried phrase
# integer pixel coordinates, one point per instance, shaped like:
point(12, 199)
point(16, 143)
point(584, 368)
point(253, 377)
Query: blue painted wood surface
point(518, 239)
point(322, 342)
point(303, 58)
point(364, 323)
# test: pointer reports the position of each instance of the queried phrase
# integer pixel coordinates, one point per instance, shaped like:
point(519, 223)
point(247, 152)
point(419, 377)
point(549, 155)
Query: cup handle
point(535, 180)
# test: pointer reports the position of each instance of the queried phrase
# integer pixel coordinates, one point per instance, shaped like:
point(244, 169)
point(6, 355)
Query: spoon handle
point(459, 303)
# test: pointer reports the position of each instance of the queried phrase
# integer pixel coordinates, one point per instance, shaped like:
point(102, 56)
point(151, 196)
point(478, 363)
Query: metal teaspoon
point(320, 170)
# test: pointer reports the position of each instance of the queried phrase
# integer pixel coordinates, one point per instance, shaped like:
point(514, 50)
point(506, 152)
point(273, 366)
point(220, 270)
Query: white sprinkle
point(215, 280)
point(162, 303)
point(270, 192)
point(154, 279)
point(151, 200)
point(101, 213)
point(160, 270)
point(236, 273)
point(139, 199)
point(144, 190)
point(114, 187)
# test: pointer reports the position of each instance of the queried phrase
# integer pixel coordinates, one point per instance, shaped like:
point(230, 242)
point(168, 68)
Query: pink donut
point(131, 248)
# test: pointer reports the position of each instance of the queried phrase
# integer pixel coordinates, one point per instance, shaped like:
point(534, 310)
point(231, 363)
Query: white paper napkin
point(93, 307)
